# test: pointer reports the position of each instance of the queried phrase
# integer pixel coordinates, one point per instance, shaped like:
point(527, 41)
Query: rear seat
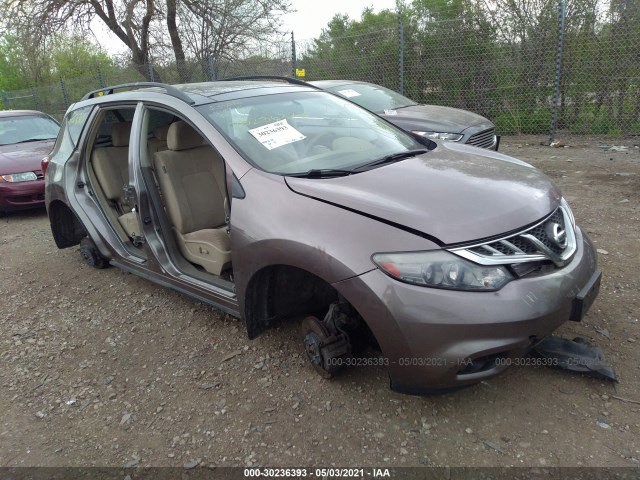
point(158, 142)
point(111, 167)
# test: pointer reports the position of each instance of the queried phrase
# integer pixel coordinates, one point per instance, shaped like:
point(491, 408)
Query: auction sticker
point(276, 134)
point(349, 92)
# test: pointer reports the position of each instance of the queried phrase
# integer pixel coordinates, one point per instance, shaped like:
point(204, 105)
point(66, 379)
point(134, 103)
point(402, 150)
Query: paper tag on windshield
point(390, 112)
point(349, 92)
point(276, 134)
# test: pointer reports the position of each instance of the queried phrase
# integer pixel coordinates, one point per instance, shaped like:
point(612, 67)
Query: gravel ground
point(102, 368)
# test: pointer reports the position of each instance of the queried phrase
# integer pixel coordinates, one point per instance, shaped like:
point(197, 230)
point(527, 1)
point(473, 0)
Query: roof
point(335, 83)
point(18, 113)
point(227, 88)
point(200, 93)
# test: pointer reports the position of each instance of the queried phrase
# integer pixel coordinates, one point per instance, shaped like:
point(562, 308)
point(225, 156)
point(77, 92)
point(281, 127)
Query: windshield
point(372, 97)
point(27, 128)
point(293, 133)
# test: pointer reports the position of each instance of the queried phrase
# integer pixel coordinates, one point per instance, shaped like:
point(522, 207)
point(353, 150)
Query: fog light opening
point(481, 364)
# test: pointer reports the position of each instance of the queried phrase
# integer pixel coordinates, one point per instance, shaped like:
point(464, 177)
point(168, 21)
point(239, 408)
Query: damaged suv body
point(275, 201)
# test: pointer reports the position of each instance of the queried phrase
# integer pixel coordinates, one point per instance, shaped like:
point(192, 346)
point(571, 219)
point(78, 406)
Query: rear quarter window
point(70, 131)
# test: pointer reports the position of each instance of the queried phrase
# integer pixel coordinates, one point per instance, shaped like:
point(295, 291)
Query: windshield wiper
point(322, 173)
point(405, 106)
point(394, 157)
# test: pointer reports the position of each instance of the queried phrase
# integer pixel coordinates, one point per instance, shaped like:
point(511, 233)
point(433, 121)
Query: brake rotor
point(314, 337)
point(90, 254)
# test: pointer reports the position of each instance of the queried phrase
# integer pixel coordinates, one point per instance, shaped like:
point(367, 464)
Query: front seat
point(192, 182)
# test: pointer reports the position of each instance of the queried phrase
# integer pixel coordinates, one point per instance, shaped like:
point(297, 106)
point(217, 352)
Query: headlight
point(452, 137)
point(442, 269)
point(19, 177)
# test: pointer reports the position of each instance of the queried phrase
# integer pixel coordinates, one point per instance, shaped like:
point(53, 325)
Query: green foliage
point(74, 56)
point(365, 49)
point(497, 59)
point(516, 123)
point(64, 57)
point(11, 77)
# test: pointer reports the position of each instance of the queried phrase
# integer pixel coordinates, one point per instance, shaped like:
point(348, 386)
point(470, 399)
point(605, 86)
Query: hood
point(454, 193)
point(23, 157)
point(434, 118)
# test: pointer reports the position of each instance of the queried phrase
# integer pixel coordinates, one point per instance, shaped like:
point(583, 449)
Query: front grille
point(533, 244)
point(518, 244)
point(540, 232)
point(484, 139)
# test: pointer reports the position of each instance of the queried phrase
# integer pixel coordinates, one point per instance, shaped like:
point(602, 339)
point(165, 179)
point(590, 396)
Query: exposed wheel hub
point(323, 349)
point(91, 255)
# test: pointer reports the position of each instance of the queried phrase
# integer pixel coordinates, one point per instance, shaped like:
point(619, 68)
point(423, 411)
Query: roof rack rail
point(294, 81)
point(170, 89)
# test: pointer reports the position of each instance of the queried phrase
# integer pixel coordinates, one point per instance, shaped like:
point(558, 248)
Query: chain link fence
point(577, 72)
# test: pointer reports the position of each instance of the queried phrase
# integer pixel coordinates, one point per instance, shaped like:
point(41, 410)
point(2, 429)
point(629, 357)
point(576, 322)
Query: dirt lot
point(105, 368)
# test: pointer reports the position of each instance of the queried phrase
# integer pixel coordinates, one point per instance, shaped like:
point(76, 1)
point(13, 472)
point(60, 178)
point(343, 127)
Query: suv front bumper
point(436, 339)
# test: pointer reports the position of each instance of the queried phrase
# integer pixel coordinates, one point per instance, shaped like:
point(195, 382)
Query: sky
point(307, 22)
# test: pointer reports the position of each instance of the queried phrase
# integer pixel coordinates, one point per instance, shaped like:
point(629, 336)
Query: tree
point(365, 49)
point(11, 71)
point(227, 30)
point(149, 28)
point(454, 54)
point(24, 58)
point(75, 57)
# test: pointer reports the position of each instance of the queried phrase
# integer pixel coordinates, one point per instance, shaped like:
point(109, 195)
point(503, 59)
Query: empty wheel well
point(282, 291)
point(66, 229)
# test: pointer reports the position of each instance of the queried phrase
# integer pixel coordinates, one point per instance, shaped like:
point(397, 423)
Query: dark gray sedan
point(433, 121)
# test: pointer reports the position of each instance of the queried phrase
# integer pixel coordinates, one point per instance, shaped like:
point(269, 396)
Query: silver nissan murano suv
point(279, 202)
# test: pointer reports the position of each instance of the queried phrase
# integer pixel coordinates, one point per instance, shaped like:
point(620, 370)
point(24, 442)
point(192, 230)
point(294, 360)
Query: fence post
point(294, 61)
point(211, 65)
point(400, 54)
point(34, 94)
point(5, 100)
point(65, 96)
point(101, 77)
point(150, 72)
point(556, 87)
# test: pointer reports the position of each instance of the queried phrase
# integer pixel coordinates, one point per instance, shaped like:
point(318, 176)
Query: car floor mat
point(576, 355)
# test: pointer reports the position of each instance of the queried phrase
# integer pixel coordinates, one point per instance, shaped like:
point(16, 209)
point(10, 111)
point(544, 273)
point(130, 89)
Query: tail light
point(44, 164)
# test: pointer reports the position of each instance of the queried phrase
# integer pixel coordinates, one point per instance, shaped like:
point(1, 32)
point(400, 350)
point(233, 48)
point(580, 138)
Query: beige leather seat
point(159, 140)
point(111, 167)
point(192, 182)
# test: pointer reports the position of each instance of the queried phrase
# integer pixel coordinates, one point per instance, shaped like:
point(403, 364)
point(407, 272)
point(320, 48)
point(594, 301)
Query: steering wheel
point(315, 140)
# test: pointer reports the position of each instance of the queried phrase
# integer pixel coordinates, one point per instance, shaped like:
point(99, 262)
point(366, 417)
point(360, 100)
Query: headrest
point(161, 133)
point(182, 137)
point(120, 133)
